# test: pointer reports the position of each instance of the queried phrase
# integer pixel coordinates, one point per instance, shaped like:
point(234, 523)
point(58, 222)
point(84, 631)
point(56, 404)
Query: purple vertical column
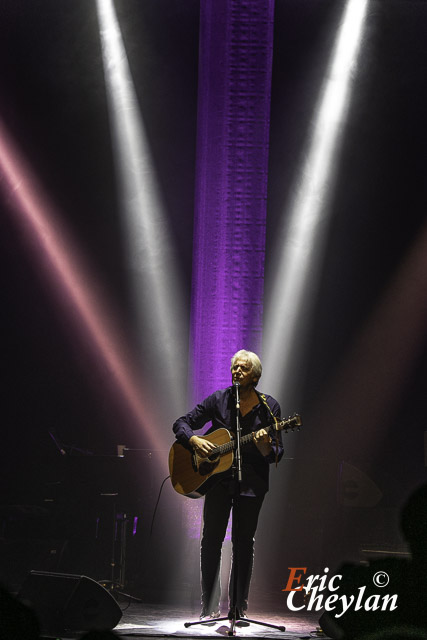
point(236, 40)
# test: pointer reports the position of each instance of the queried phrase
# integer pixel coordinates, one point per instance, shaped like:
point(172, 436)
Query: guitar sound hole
point(207, 466)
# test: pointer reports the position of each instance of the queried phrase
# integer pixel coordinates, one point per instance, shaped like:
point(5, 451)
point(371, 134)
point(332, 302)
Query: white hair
point(253, 360)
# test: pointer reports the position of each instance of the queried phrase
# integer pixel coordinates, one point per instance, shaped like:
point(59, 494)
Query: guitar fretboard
point(222, 449)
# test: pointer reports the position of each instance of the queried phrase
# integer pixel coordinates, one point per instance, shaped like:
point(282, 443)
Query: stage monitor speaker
point(66, 602)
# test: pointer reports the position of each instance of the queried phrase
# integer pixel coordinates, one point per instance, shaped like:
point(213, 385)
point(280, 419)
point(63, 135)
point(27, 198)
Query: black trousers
point(216, 512)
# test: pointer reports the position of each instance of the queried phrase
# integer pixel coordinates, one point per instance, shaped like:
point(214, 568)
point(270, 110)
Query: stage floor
point(161, 620)
point(154, 620)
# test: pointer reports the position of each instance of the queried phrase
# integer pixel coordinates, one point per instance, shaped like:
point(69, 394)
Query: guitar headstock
point(289, 424)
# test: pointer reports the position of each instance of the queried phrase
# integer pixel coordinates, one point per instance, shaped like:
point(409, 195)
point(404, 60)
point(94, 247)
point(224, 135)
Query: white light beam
point(302, 238)
point(156, 288)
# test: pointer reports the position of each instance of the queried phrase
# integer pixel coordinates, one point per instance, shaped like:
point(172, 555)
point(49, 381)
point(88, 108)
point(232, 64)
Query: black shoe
point(209, 618)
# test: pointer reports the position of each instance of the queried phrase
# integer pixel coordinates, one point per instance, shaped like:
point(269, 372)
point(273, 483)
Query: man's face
point(241, 372)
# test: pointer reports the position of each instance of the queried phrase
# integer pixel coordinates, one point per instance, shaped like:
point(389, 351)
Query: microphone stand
point(237, 477)
point(237, 469)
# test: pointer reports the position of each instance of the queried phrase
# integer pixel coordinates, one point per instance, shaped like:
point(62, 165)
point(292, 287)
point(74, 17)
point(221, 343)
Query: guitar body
point(190, 472)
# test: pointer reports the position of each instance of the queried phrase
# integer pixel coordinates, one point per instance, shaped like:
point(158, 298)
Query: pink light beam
point(69, 278)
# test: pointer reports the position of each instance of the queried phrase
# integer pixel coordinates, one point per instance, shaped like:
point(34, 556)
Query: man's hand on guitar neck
point(201, 446)
point(262, 441)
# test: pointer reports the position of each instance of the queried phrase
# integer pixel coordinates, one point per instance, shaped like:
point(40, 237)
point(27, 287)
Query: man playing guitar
point(264, 447)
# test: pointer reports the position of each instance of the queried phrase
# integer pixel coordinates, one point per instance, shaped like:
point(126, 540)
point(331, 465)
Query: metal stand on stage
point(118, 555)
point(237, 475)
point(119, 522)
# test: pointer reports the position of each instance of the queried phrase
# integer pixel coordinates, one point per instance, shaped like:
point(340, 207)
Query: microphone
point(236, 386)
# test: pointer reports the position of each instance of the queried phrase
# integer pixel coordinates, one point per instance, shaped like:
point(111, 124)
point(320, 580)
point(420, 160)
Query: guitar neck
point(230, 446)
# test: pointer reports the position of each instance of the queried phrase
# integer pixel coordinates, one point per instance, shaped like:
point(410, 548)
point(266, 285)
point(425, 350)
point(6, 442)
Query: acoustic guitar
point(190, 473)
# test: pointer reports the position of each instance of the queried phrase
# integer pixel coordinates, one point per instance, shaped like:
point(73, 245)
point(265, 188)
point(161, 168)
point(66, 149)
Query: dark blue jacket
point(220, 409)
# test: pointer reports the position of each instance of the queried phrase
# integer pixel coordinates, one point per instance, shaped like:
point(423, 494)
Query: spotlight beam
point(93, 321)
point(365, 393)
point(303, 234)
point(153, 268)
